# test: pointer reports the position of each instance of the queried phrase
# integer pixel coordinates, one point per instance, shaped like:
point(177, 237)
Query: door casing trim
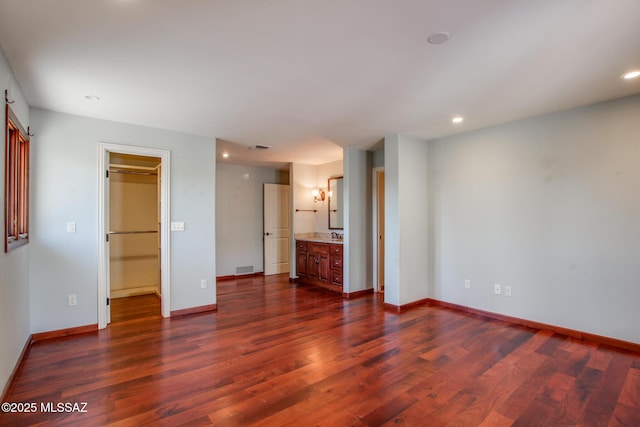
point(104, 148)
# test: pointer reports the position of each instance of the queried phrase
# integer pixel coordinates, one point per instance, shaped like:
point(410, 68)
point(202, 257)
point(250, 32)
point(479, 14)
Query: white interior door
point(277, 225)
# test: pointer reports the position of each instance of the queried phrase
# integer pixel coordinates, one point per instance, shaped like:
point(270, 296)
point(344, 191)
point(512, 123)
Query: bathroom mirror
point(336, 206)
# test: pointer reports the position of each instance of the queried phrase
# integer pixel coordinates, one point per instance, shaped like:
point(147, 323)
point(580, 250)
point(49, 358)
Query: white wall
point(392, 221)
point(239, 216)
point(14, 271)
point(357, 214)
point(378, 158)
point(549, 206)
point(65, 188)
point(406, 220)
point(324, 172)
point(303, 179)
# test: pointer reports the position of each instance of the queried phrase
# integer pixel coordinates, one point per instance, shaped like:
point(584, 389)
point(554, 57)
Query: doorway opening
point(134, 236)
point(378, 228)
point(133, 279)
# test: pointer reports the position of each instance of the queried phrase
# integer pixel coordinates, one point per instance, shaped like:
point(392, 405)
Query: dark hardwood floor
point(280, 354)
point(140, 307)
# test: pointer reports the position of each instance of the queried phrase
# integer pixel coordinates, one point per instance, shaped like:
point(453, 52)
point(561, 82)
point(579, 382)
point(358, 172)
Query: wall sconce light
point(318, 195)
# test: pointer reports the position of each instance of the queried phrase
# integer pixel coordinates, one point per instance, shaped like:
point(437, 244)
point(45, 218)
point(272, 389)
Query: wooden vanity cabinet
point(301, 258)
point(319, 264)
point(318, 261)
point(336, 258)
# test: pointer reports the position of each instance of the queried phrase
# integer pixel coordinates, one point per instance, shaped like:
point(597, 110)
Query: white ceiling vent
point(259, 147)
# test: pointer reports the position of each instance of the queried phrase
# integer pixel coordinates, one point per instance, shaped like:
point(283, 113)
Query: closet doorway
point(133, 276)
point(134, 236)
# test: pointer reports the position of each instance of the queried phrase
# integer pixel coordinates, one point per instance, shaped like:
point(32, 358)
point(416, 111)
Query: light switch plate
point(71, 227)
point(177, 226)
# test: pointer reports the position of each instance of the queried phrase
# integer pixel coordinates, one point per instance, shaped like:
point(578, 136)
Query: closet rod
point(132, 172)
point(133, 232)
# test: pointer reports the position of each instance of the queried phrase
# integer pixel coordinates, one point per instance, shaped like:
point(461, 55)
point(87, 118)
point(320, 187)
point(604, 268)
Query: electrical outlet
point(496, 289)
point(203, 283)
point(507, 291)
point(73, 300)
point(467, 284)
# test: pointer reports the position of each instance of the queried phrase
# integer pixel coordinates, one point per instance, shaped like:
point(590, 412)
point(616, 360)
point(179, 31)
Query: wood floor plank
point(494, 419)
point(281, 354)
point(607, 393)
point(389, 410)
point(628, 405)
point(495, 386)
point(630, 394)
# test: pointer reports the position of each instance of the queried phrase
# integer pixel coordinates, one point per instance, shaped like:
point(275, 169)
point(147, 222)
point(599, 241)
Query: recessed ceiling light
point(438, 38)
point(92, 98)
point(457, 119)
point(225, 155)
point(631, 75)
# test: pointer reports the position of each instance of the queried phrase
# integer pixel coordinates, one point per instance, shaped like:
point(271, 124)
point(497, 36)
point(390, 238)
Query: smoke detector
point(259, 147)
point(439, 37)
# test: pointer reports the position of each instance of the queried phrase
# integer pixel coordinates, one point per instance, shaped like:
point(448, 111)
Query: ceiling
point(310, 77)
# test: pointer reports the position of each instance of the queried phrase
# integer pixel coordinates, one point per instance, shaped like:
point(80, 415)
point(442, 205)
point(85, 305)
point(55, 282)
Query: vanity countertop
point(321, 240)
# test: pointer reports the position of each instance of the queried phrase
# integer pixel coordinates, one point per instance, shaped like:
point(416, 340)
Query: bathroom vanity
point(319, 263)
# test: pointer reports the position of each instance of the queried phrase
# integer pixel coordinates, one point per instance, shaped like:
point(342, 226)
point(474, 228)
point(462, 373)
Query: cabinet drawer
point(318, 248)
point(336, 263)
point(336, 278)
point(336, 250)
point(301, 246)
